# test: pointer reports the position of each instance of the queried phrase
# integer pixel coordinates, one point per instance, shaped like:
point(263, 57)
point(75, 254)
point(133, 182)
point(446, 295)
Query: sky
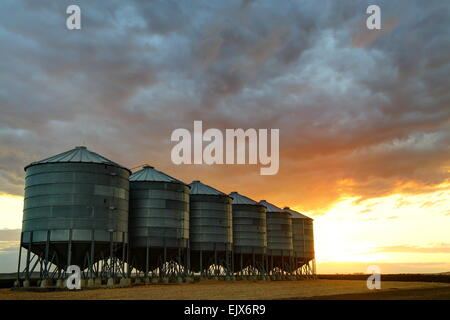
point(363, 114)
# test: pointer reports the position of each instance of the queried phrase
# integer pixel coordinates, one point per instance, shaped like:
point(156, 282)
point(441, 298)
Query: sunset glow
point(395, 230)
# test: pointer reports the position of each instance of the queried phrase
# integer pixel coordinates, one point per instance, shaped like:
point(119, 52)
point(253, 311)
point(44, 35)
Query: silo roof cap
point(240, 199)
point(79, 154)
point(200, 188)
point(149, 173)
point(271, 207)
point(296, 214)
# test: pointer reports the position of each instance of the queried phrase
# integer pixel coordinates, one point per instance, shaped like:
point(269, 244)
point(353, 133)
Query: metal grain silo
point(76, 213)
point(279, 240)
point(211, 237)
point(249, 236)
point(303, 243)
point(159, 224)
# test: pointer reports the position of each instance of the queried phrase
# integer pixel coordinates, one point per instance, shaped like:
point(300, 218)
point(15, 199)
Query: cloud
point(363, 36)
point(440, 248)
point(386, 268)
point(9, 258)
point(366, 120)
point(381, 218)
point(8, 246)
point(10, 234)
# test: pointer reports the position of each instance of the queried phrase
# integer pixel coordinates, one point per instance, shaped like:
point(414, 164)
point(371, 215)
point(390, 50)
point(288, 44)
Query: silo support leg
point(201, 263)
point(187, 267)
point(122, 262)
point(266, 264)
point(188, 262)
point(69, 250)
point(111, 261)
point(179, 263)
point(264, 257)
point(146, 260)
point(91, 262)
point(17, 284)
point(241, 266)
point(271, 264)
point(38, 260)
point(215, 262)
point(164, 262)
point(27, 274)
point(127, 258)
point(232, 265)
point(314, 269)
point(253, 263)
point(46, 264)
point(54, 261)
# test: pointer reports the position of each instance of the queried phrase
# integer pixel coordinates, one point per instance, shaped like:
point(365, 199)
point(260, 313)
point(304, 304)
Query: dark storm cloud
point(372, 109)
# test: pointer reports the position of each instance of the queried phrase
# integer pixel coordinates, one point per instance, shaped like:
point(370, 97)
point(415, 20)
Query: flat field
point(239, 290)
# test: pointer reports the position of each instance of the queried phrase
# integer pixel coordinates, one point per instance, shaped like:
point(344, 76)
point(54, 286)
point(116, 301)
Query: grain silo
point(279, 241)
point(211, 237)
point(303, 243)
point(159, 225)
point(75, 213)
point(249, 237)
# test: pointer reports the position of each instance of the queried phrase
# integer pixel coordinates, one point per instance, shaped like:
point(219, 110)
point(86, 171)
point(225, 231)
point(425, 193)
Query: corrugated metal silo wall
point(210, 223)
point(279, 234)
point(84, 201)
point(159, 214)
point(249, 229)
point(298, 239)
point(309, 239)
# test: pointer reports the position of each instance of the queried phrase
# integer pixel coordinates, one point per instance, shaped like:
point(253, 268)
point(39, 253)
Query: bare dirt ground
point(239, 290)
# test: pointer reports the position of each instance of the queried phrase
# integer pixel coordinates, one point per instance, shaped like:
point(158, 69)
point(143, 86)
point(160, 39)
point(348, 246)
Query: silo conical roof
point(240, 199)
point(295, 214)
point(79, 154)
point(199, 188)
point(149, 173)
point(271, 207)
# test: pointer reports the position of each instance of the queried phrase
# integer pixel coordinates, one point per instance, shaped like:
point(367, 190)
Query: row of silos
point(83, 209)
